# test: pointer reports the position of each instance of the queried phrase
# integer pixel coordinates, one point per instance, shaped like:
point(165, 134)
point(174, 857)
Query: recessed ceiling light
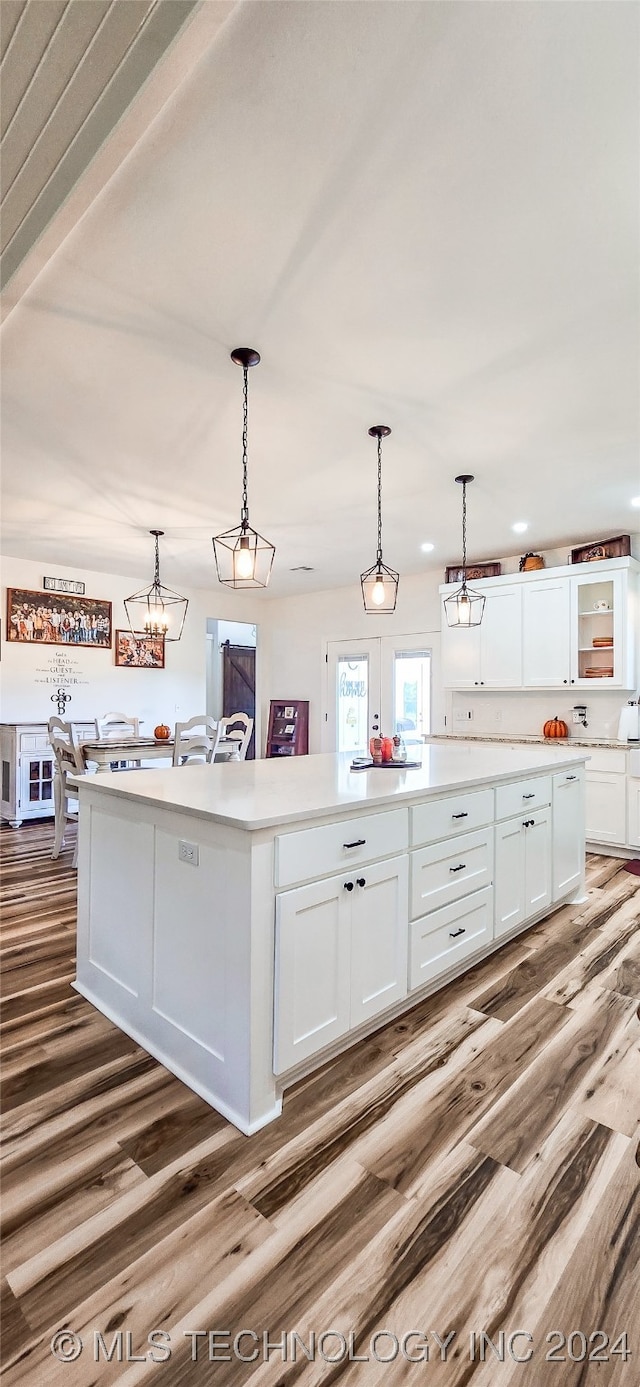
point(520, 527)
point(635, 500)
point(427, 548)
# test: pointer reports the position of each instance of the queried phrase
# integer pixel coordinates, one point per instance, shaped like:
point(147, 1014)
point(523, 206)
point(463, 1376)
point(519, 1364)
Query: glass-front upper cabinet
point(601, 644)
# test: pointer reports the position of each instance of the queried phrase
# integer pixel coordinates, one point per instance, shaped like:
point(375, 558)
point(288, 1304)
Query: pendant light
point(243, 557)
point(157, 610)
point(464, 607)
point(379, 583)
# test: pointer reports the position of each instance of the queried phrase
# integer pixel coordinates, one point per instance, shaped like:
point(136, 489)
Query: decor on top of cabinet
point(454, 573)
point(43, 618)
point(617, 548)
point(156, 610)
point(529, 562)
point(554, 728)
point(379, 583)
point(243, 557)
point(464, 607)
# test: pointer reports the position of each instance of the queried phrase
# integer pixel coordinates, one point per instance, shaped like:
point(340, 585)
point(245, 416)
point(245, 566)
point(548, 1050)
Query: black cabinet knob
point(348, 886)
point(361, 881)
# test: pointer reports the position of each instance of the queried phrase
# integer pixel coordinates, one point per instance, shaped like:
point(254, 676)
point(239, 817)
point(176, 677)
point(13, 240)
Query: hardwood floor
point(470, 1168)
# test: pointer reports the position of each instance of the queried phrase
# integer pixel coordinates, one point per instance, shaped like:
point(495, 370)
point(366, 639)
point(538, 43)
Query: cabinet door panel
point(546, 633)
point(597, 613)
point(501, 639)
point(460, 649)
point(379, 938)
point(568, 836)
point(313, 930)
point(509, 876)
point(538, 863)
point(634, 812)
point(606, 808)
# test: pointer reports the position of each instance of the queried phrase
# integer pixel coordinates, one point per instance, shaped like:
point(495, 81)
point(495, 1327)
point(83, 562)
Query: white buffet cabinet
point(245, 922)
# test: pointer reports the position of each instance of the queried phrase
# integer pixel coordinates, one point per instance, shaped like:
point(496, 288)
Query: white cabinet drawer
point(606, 759)
point(441, 940)
point(315, 852)
point(440, 818)
point(34, 741)
point(524, 794)
point(445, 871)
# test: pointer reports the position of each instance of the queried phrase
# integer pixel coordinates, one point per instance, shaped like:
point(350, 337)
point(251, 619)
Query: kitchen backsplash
point(525, 713)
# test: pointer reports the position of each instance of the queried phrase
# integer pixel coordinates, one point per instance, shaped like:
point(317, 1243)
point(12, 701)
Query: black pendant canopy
point(379, 583)
point(156, 610)
point(243, 557)
point(464, 607)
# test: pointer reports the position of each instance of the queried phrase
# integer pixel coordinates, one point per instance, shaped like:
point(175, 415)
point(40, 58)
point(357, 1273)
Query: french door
point(377, 687)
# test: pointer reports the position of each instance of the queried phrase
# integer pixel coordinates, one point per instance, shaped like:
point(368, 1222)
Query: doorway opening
point(231, 672)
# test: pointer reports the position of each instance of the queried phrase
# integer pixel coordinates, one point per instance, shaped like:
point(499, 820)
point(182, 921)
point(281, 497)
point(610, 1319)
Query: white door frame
point(380, 651)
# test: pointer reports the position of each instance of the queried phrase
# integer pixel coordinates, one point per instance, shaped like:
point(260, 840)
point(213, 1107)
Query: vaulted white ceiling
point(420, 214)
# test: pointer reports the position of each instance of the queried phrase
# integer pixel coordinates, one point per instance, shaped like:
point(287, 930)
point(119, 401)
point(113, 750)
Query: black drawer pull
point(528, 823)
point(463, 815)
point(460, 868)
point(348, 886)
point(359, 843)
point(361, 881)
point(531, 796)
point(572, 777)
point(453, 934)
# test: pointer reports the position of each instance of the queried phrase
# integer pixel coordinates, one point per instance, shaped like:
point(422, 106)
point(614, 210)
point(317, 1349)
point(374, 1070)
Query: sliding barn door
point(239, 685)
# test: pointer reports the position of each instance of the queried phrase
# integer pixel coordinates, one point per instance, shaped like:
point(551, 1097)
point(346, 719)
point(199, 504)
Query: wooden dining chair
point(118, 725)
point(236, 728)
point(192, 745)
point(68, 762)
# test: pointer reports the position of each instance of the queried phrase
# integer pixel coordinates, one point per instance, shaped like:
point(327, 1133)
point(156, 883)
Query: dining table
point(109, 752)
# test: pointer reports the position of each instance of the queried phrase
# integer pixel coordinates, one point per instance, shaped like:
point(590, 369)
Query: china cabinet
point(288, 731)
point(27, 770)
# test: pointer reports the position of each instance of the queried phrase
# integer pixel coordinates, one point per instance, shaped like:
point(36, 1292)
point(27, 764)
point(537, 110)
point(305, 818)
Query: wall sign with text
point(63, 585)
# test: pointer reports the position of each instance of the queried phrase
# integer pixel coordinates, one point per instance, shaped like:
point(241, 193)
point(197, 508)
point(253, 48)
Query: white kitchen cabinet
point(489, 655)
point(546, 615)
point(28, 769)
point(539, 632)
point(600, 611)
point(568, 831)
point(444, 871)
point(379, 937)
point(633, 811)
point(606, 809)
point(341, 956)
point(440, 940)
point(523, 868)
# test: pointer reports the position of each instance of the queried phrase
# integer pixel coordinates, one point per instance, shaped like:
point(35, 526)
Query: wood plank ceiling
point(69, 69)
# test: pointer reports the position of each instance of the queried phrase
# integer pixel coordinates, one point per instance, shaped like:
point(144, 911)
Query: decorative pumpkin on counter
point(162, 732)
point(555, 727)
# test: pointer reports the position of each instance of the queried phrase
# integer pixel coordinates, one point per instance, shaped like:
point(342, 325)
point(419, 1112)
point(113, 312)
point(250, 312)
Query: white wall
point(29, 675)
point(296, 631)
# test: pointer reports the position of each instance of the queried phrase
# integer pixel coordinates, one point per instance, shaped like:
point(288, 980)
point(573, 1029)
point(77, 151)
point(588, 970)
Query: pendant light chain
point(464, 532)
point(379, 556)
point(245, 434)
point(156, 574)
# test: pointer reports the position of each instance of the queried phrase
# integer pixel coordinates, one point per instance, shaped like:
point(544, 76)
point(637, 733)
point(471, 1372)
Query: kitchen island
point(245, 922)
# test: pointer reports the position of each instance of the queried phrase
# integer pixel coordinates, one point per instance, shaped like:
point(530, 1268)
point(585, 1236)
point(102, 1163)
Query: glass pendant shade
point(156, 610)
point(243, 557)
point(464, 607)
point(379, 583)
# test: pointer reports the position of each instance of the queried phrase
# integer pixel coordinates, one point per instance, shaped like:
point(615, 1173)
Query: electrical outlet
point(188, 852)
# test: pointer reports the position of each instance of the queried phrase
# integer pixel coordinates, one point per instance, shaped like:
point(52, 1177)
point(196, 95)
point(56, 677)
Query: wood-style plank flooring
point(470, 1168)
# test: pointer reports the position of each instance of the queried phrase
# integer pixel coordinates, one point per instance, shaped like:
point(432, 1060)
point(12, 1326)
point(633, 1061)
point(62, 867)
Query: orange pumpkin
point(162, 732)
point(555, 727)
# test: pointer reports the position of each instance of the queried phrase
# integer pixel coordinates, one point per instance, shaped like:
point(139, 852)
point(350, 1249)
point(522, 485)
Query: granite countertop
point(260, 794)
point(531, 739)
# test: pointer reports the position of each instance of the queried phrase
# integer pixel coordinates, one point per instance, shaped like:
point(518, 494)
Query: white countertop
point(261, 794)
point(536, 739)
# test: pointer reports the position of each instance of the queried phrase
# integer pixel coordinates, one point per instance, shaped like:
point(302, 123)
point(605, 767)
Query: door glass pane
point(46, 789)
point(34, 770)
point(353, 701)
point(412, 695)
point(34, 790)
